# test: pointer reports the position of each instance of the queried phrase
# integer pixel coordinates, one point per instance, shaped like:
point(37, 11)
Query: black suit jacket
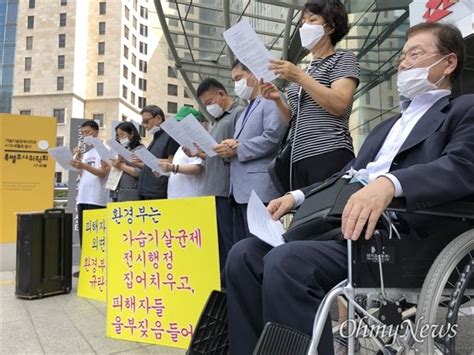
point(436, 162)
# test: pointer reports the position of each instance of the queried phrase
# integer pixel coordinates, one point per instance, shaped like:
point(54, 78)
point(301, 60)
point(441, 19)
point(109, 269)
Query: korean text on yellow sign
point(162, 264)
point(92, 276)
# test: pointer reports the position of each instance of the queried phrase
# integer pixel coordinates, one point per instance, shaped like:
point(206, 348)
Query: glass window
point(173, 22)
point(30, 22)
point(100, 89)
point(142, 66)
point(172, 90)
point(101, 48)
point(172, 107)
point(26, 85)
point(29, 42)
point(100, 68)
point(59, 141)
point(132, 97)
point(171, 73)
point(61, 60)
point(125, 71)
point(134, 41)
point(60, 83)
point(142, 84)
point(25, 112)
point(126, 32)
point(134, 59)
point(28, 64)
point(135, 5)
point(124, 92)
point(144, 30)
point(134, 78)
point(59, 114)
point(58, 177)
point(127, 13)
point(102, 7)
point(189, 25)
point(134, 22)
point(143, 12)
point(62, 40)
point(102, 28)
point(62, 19)
point(63, 2)
point(125, 51)
point(143, 48)
point(141, 102)
point(186, 95)
point(99, 119)
point(31, 4)
point(124, 118)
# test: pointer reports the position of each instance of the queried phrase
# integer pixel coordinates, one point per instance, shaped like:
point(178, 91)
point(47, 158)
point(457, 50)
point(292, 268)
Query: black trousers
point(80, 208)
point(224, 228)
point(284, 285)
point(318, 168)
point(240, 228)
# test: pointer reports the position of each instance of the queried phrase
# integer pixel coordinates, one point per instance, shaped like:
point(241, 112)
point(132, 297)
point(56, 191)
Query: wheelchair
point(403, 297)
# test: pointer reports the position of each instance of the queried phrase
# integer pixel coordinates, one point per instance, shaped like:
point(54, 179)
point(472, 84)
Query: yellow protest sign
point(92, 274)
point(26, 171)
point(162, 264)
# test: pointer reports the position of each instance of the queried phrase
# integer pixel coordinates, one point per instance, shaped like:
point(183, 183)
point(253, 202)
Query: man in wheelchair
point(424, 156)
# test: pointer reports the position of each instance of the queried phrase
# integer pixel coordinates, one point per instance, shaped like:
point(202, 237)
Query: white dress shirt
point(394, 140)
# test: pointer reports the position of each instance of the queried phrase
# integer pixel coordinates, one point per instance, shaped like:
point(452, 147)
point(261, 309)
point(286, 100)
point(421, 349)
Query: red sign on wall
point(437, 9)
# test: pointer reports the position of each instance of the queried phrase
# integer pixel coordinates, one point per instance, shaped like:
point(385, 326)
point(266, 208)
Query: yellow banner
point(163, 262)
point(92, 274)
point(26, 171)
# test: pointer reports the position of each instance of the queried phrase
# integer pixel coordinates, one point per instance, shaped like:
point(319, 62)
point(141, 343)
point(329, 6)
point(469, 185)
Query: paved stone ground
point(63, 324)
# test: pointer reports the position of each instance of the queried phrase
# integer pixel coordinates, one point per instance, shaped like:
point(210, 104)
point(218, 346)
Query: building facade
point(101, 60)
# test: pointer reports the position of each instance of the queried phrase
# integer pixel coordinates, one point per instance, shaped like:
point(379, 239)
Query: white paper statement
point(261, 223)
point(149, 160)
point(199, 135)
point(120, 150)
point(63, 156)
point(104, 153)
point(178, 132)
point(249, 49)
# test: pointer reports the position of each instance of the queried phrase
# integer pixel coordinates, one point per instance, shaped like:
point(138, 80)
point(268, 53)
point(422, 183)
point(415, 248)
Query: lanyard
point(246, 116)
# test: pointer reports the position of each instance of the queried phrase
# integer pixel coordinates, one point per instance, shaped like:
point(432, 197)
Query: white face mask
point(310, 35)
point(412, 82)
point(124, 141)
point(154, 129)
point(242, 90)
point(215, 110)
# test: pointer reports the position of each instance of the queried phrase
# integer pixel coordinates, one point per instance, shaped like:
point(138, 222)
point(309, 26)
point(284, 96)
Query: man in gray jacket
point(257, 136)
point(219, 104)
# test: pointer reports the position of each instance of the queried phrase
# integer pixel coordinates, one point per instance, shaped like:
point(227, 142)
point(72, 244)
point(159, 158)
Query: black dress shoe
point(75, 274)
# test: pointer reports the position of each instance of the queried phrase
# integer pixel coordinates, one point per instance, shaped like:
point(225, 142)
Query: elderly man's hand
point(365, 208)
point(281, 206)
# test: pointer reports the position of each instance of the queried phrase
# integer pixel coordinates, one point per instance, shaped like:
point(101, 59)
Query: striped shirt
point(317, 131)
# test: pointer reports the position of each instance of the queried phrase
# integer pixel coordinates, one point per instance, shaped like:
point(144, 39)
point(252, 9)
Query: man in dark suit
point(424, 155)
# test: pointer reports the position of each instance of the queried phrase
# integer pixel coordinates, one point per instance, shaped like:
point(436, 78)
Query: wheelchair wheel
point(446, 305)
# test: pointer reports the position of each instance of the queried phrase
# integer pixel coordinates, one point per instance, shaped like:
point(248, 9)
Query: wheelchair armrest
point(455, 209)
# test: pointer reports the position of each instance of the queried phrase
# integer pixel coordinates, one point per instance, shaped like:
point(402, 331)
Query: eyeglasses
point(413, 55)
point(146, 120)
